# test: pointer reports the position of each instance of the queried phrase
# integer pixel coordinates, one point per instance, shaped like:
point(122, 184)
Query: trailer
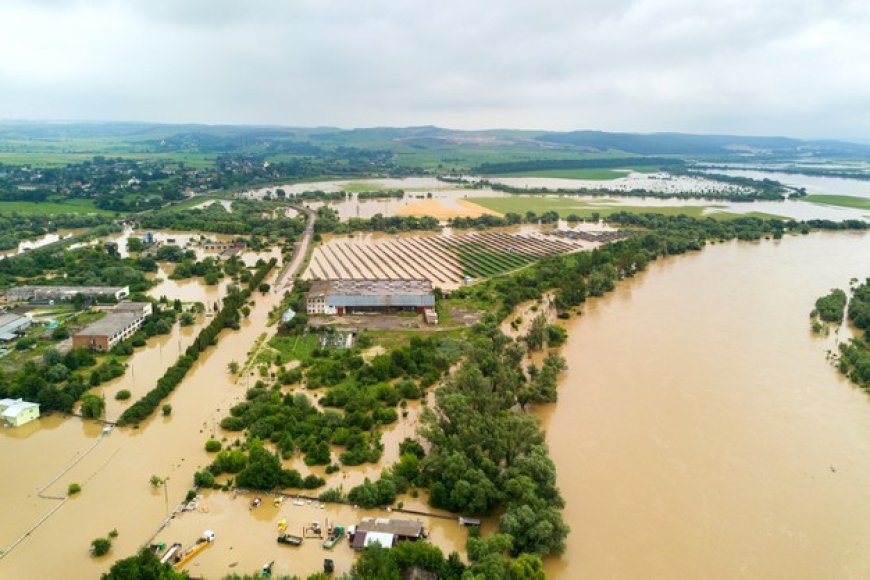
point(201, 544)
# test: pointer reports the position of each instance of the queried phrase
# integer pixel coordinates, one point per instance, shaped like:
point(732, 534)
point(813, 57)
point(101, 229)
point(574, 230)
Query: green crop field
point(478, 261)
point(51, 207)
point(840, 200)
point(520, 204)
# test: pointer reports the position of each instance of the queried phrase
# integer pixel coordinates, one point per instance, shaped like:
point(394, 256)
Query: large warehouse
point(345, 296)
point(121, 323)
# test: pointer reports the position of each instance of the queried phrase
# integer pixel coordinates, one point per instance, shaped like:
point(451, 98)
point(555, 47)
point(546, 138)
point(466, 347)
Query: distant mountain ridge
point(301, 140)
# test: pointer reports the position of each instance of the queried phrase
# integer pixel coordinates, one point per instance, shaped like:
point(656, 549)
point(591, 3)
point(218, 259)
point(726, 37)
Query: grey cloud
point(780, 66)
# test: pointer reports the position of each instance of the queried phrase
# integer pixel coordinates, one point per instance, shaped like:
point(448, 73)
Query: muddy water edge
point(701, 432)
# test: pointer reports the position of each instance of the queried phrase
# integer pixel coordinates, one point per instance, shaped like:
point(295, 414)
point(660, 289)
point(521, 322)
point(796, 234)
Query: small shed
point(17, 412)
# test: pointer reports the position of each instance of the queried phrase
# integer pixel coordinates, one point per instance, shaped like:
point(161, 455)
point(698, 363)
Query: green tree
point(92, 406)
point(145, 565)
point(375, 563)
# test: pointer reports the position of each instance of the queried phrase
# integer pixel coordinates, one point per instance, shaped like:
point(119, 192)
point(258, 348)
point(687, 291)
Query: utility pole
point(166, 494)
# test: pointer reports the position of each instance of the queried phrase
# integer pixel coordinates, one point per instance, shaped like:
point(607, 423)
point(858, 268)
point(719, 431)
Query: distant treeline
point(837, 173)
point(547, 164)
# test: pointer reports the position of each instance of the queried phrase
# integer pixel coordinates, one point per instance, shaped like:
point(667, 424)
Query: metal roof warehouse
point(339, 296)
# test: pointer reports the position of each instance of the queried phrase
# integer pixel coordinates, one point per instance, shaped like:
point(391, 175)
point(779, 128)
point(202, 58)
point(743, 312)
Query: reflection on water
point(700, 432)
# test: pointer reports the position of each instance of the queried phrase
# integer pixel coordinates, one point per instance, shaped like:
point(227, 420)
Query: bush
point(60, 333)
point(101, 546)
point(122, 395)
point(25, 343)
point(73, 489)
point(167, 410)
point(212, 445)
point(331, 495)
point(203, 478)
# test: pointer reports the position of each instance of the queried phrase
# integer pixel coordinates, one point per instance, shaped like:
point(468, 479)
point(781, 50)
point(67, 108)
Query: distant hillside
point(685, 144)
point(417, 148)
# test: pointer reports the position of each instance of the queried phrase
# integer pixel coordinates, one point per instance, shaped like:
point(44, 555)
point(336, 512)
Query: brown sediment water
point(115, 472)
point(700, 431)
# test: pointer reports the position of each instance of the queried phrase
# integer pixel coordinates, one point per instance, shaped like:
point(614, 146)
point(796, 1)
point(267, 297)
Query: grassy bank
point(840, 200)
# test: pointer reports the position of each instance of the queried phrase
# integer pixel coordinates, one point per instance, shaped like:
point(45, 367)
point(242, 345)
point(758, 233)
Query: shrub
point(212, 445)
point(122, 395)
point(203, 478)
point(60, 333)
point(101, 546)
point(73, 489)
point(167, 410)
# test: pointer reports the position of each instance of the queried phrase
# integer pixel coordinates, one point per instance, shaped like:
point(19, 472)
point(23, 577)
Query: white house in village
point(18, 412)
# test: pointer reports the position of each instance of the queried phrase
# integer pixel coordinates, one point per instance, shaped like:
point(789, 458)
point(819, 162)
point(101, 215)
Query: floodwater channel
point(700, 431)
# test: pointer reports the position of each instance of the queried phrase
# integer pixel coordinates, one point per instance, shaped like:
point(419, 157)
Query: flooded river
point(700, 432)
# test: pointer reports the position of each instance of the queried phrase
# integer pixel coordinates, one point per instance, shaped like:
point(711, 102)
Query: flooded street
point(114, 470)
point(701, 433)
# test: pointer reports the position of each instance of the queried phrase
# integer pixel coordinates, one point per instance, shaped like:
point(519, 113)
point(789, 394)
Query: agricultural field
point(840, 200)
point(79, 206)
point(444, 260)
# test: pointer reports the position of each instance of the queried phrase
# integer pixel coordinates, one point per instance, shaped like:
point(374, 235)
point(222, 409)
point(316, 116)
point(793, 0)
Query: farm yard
point(444, 260)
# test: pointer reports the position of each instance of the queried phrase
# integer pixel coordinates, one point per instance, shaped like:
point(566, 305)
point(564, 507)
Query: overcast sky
point(785, 67)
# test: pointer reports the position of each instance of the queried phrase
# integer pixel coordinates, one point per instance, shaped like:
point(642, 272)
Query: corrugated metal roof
point(396, 300)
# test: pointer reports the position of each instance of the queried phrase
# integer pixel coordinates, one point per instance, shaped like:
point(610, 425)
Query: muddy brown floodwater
point(700, 431)
point(114, 470)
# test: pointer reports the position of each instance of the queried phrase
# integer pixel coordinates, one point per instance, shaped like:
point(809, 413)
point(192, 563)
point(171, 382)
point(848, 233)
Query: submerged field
point(565, 207)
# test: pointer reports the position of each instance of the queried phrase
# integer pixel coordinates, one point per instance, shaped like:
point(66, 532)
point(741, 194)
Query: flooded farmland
point(701, 433)
point(728, 448)
point(429, 196)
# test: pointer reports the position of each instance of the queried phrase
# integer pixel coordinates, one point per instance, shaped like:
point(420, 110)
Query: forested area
point(88, 266)
point(855, 354)
point(247, 218)
point(15, 228)
point(328, 221)
point(359, 398)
